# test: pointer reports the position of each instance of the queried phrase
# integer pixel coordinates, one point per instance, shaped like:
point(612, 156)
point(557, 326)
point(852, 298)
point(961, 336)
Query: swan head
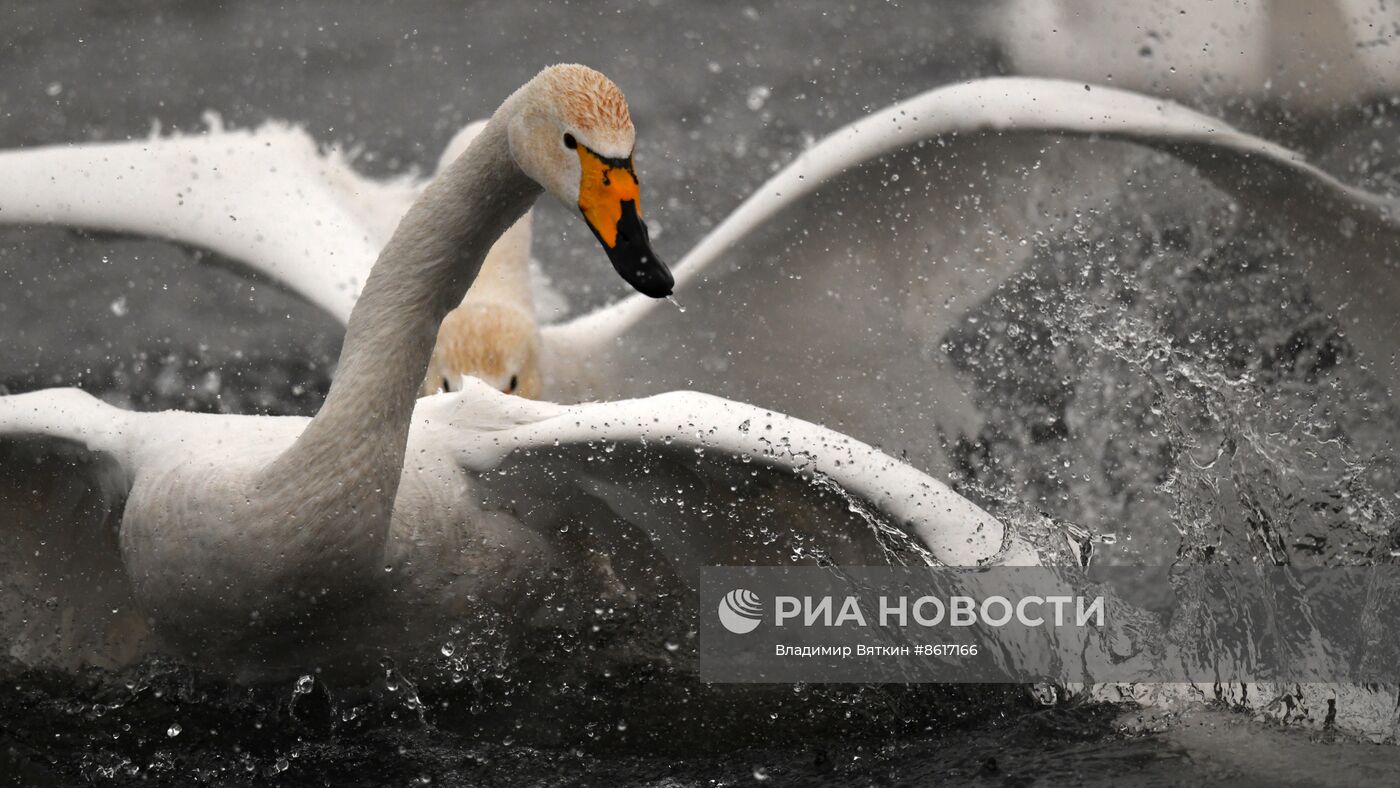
point(494, 341)
point(572, 133)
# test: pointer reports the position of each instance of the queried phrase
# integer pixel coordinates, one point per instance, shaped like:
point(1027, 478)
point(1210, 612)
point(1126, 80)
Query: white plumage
point(263, 543)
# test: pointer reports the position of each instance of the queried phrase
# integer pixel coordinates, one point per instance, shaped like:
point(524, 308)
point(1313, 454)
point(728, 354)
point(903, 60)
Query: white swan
point(806, 315)
point(267, 542)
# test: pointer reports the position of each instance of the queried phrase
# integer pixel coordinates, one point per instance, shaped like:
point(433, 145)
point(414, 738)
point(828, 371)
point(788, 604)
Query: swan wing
point(710, 481)
point(830, 289)
point(267, 199)
point(64, 473)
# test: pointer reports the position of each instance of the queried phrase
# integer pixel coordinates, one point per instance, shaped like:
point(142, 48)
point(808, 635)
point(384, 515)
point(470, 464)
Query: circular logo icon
point(740, 611)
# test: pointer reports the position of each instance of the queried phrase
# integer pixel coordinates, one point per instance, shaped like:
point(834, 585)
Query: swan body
point(851, 299)
point(469, 531)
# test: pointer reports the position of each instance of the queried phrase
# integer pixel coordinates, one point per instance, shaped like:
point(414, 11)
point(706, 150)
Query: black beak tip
point(633, 258)
point(646, 274)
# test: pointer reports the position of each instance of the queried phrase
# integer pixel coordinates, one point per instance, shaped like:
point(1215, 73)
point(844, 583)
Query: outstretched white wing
point(690, 478)
point(267, 198)
point(703, 481)
point(828, 291)
point(66, 600)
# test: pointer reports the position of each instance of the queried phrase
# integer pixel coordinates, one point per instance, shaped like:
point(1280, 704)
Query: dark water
point(162, 723)
point(1167, 387)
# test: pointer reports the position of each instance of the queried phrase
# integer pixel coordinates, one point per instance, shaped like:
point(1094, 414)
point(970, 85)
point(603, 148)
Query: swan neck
point(357, 440)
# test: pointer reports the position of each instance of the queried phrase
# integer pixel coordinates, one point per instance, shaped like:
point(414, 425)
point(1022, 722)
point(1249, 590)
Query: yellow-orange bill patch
point(602, 190)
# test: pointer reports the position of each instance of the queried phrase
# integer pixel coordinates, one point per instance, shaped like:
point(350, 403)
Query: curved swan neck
point(356, 442)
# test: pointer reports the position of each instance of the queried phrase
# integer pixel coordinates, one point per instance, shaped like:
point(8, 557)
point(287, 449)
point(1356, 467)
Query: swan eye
point(514, 381)
point(570, 142)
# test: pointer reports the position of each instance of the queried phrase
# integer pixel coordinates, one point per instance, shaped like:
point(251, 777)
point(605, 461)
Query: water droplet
point(758, 96)
point(760, 774)
point(173, 730)
point(119, 307)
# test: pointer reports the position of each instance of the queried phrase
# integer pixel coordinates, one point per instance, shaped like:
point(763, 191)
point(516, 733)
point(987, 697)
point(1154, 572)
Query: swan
point(974, 159)
point(263, 543)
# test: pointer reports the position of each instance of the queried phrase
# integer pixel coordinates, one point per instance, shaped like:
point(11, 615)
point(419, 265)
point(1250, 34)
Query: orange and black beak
point(608, 197)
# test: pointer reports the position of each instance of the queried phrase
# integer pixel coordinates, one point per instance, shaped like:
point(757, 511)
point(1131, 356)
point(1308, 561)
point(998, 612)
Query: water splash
point(896, 544)
point(1159, 373)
